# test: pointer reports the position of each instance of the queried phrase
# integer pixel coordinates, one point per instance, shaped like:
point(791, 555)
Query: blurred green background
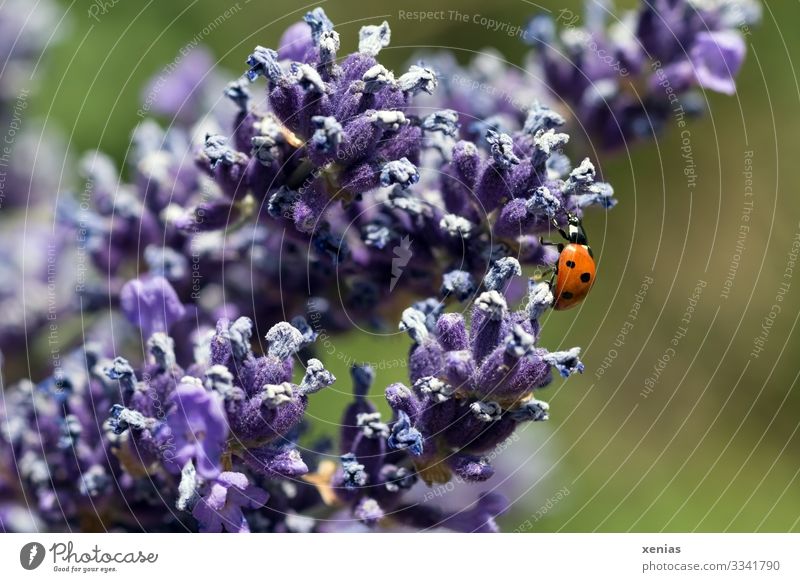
point(714, 445)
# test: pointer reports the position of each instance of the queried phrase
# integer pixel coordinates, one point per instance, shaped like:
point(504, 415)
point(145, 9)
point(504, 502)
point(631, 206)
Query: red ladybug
point(575, 271)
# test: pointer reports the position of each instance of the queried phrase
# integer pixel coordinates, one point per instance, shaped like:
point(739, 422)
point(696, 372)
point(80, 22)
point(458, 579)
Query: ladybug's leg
point(547, 243)
point(552, 272)
point(553, 275)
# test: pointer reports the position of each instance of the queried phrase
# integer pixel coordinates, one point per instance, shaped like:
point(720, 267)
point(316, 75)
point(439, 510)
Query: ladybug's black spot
point(571, 264)
point(566, 295)
point(585, 277)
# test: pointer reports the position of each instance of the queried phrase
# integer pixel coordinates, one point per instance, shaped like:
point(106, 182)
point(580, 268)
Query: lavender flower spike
point(669, 48)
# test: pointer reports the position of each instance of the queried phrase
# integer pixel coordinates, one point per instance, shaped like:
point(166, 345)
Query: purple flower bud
point(328, 47)
point(371, 39)
point(402, 399)
point(327, 134)
point(466, 163)
point(492, 304)
point(418, 79)
point(444, 121)
point(533, 410)
point(218, 152)
point(542, 201)
point(425, 359)
point(413, 322)
point(377, 78)
point(471, 469)
point(370, 425)
point(567, 363)
point(151, 304)
point(542, 118)
point(581, 176)
point(237, 92)
point(451, 331)
point(231, 340)
point(486, 411)
point(368, 511)
point(502, 149)
point(316, 377)
point(519, 343)
point(404, 436)
point(397, 478)
point(284, 340)
point(456, 226)
point(308, 78)
point(162, 348)
point(318, 22)
point(501, 272)
point(460, 284)
point(122, 419)
point(434, 389)
point(354, 475)
point(400, 172)
point(274, 395)
point(121, 370)
point(219, 379)
point(264, 61)
point(221, 508)
point(547, 143)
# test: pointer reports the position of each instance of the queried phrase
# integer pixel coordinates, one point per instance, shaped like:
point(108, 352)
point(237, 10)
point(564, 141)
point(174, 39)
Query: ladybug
point(575, 270)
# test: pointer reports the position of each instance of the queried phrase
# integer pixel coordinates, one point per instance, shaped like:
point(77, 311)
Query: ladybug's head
point(574, 232)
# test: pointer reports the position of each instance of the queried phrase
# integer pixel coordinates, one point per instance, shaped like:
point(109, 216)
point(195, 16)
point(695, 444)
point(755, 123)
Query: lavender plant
point(215, 445)
point(315, 194)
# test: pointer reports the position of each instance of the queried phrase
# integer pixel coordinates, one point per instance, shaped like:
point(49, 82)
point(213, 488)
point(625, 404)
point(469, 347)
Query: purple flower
point(221, 508)
point(196, 429)
point(717, 57)
point(354, 475)
point(151, 304)
point(404, 436)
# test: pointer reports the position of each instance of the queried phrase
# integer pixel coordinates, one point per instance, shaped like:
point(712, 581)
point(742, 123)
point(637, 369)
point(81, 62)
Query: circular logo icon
point(31, 555)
